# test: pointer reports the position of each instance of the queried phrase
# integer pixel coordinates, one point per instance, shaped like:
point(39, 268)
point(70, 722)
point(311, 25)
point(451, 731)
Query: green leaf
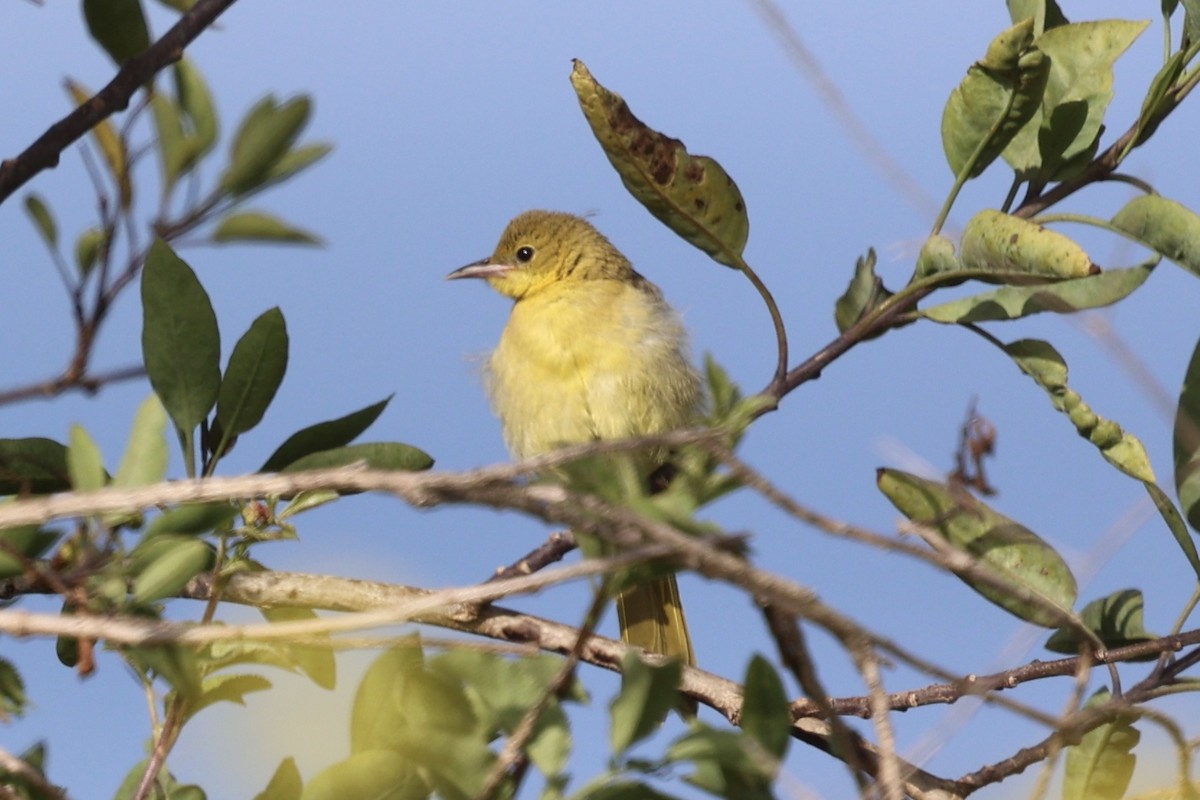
point(256, 226)
point(1063, 297)
point(648, 693)
point(192, 519)
point(84, 461)
point(119, 26)
point(145, 458)
point(180, 341)
point(1186, 447)
point(24, 542)
point(1046, 14)
point(1117, 620)
point(267, 132)
point(1175, 524)
point(376, 455)
point(174, 150)
point(255, 371)
point(691, 195)
point(937, 255)
point(1008, 550)
point(1158, 101)
point(865, 292)
point(324, 436)
point(1100, 766)
point(306, 501)
point(285, 784)
point(109, 142)
point(606, 787)
point(315, 662)
point(1039, 360)
point(1070, 118)
point(196, 102)
point(226, 688)
point(43, 220)
point(766, 712)
point(1165, 226)
point(13, 700)
point(294, 161)
point(995, 242)
point(171, 562)
point(723, 767)
point(89, 248)
point(177, 665)
point(374, 774)
point(376, 713)
point(34, 465)
point(999, 95)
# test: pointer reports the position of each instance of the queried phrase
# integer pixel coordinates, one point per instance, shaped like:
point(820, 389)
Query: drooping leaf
point(196, 102)
point(314, 661)
point(648, 693)
point(1117, 620)
point(691, 195)
point(84, 461)
point(999, 95)
point(1186, 455)
point(110, 144)
point(43, 220)
point(1046, 14)
point(765, 709)
point(723, 766)
point(865, 292)
point(33, 465)
point(255, 371)
point(145, 458)
point(997, 243)
point(1013, 302)
point(173, 148)
point(1039, 360)
point(266, 133)
point(119, 26)
point(1156, 103)
point(89, 249)
point(376, 455)
point(1100, 766)
point(1070, 118)
point(328, 435)
point(1008, 550)
point(257, 226)
point(1175, 524)
point(1167, 227)
point(181, 344)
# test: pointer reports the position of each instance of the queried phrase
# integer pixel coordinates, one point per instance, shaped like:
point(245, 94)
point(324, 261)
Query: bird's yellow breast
point(591, 359)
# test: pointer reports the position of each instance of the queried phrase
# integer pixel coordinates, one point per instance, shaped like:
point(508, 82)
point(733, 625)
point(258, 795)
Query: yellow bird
point(591, 351)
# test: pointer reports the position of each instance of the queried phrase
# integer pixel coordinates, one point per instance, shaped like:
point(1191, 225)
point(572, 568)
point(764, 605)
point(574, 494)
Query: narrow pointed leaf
point(256, 368)
point(865, 292)
point(1167, 227)
point(691, 195)
point(1046, 14)
point(1009, 550)
point(285, 784)
point(295, 161)
point(13, 700)
point(766, 713)
point(999, 95)
point(43, 220)
point(110, 144)
point(1186, 451)
point(1175, 524)
point(1063, 297)
point(196, 102)
point(647, 695)
point(265, 135)
point(180, 341)
point(1117, 620)
point(324, 436)
point(1039, 360)
point(172, 566)
point(376, 455)
point(119, 26)
point(1100, 766)
point(84, 461)
point(145, 458)
point(192, 519)
point(173, 147)
point(1156, 103)
point(257, 226)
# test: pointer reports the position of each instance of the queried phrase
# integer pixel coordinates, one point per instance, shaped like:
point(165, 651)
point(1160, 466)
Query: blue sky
point(448, 120)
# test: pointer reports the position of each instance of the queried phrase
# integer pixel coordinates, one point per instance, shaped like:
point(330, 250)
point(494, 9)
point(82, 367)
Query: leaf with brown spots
point(691, 195)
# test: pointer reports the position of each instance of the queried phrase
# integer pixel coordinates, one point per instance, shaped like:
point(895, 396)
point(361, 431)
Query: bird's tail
point(651, 617)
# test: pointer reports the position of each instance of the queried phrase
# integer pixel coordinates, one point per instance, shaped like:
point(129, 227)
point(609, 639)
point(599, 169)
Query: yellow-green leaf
point(43, 220)
point(264, 136)
point(1167, 227)
point(84, 461)
point(1101, 765)
point(995, 242)
point(89, 249)
point(691, 195)
point(257, 226)
point(110, 143)
point(1117, 620)
point(197, 105)
point(1008, 550)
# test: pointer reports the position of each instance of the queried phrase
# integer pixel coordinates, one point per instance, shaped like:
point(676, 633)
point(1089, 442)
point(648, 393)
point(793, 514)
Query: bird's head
point(542, 248)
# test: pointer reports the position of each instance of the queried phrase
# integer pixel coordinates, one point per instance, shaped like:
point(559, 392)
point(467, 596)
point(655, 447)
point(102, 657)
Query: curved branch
point(133, 74)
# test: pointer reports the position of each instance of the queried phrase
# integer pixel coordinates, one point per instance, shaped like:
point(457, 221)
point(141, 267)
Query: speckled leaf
point(999, 95)
point(1011, 551)
point(1100, 766)
point(1167, 227)
point(1070, 117)
point(1117, 620)
point(1011, 248)
point(1046, 14)
point(1063, 297)
point(1039, 360)
point(691, 195)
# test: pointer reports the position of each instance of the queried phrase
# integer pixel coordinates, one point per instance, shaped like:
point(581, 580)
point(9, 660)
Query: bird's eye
point(525, 254)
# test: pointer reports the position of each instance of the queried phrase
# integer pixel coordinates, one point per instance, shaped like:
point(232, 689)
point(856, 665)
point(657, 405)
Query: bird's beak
point(484, 268)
